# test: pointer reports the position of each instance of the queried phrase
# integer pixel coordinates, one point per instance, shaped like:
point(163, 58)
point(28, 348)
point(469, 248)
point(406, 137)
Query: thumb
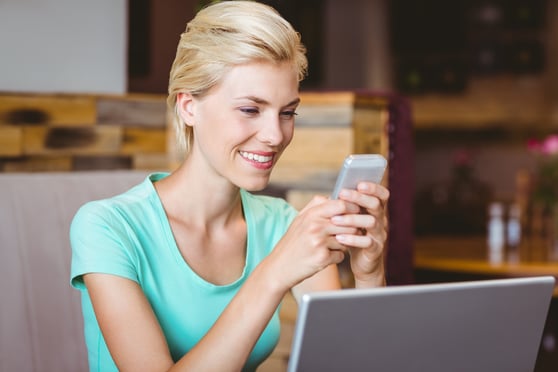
point(315, 201)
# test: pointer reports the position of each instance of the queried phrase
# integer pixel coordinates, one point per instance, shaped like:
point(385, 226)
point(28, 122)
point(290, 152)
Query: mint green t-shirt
point(129, 235)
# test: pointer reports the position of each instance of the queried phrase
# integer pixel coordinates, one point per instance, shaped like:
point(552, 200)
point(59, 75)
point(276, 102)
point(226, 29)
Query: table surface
point(470, 255)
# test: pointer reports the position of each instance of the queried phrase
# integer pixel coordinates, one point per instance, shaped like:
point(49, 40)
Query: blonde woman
point(186, 270)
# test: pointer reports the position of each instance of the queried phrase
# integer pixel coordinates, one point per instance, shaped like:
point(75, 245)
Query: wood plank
point(11, 141)
point(57, 110)
point(325, 109)
point(370, 130)
point(324, 115)
point(39, 164)
point(154, 162)
point(318, 147)
point(144, 140)
point(43, 140)
point(144, 111)
point(325, 98)
point(83, 163)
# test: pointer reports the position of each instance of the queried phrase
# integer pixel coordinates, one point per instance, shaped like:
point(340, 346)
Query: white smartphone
point(357, 168)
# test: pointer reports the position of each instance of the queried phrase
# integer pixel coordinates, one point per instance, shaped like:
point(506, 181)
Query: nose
point(271, 131)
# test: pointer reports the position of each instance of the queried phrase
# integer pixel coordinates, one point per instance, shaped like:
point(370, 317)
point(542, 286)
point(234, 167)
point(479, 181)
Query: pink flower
point(550, 145)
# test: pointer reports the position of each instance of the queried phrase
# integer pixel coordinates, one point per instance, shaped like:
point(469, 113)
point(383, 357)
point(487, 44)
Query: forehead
point(260, 79)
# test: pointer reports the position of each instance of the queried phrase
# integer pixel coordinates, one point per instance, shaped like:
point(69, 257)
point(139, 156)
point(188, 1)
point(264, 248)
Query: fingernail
point(363, 187)
point(344, 193)
point(341, 238)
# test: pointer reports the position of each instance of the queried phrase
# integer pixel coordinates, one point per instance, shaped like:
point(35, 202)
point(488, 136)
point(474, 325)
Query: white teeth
point(256, 157)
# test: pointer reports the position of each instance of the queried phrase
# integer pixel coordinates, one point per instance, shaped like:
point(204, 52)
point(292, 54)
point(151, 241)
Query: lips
point(256, 157)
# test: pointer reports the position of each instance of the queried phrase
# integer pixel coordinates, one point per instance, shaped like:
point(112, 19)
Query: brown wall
point(361, 63)
point(167, 21)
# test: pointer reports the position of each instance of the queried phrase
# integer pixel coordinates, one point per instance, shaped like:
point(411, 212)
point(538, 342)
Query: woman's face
point(243, 124)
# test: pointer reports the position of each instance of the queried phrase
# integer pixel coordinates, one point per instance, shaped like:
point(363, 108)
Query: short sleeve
point(100, 244)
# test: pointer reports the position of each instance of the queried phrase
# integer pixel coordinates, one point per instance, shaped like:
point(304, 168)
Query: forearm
point(228, 344)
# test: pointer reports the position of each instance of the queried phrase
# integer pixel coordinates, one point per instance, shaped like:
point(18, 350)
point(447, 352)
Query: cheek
point(216, 127)
point(288, 133)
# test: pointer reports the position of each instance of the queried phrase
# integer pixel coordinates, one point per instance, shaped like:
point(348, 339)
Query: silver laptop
point(488, 325)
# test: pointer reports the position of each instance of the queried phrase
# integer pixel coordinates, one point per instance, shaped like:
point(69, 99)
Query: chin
point(255, 188)
point(255, 185)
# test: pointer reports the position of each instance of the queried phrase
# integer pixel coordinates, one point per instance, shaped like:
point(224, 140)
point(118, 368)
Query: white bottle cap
point(496, 209)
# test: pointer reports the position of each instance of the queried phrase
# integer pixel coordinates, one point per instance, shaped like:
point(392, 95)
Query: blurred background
point(480, 75)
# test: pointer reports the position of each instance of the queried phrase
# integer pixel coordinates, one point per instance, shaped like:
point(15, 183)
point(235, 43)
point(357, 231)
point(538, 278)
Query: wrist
point(274, 281)
point(372, 280)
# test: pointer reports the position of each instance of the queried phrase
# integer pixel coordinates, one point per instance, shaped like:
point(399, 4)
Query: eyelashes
point(254, 111)
point(288, 114)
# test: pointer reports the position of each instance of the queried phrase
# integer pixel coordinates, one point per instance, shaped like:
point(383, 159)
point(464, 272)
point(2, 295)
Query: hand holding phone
point(357, 168)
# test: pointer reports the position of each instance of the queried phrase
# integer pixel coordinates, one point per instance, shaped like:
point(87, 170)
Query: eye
point(289, 114)
point(250, 110)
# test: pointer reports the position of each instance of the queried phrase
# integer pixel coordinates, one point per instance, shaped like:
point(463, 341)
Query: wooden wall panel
point(150, 162)
point(47, 109)
point(133, 110)
point(74, 132)
point(370, 129)
point(81, 132)
point(11, 141)
point(38, 164)
point(139, 140)
point(78, 141)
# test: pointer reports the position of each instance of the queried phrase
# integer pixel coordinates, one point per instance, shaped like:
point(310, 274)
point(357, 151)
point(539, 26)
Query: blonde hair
point(224, 35)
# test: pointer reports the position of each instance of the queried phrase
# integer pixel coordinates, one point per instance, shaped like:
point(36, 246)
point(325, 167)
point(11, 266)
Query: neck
point(189, 195)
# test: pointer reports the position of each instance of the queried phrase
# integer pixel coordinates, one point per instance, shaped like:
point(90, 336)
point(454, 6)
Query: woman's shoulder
point(131, 201)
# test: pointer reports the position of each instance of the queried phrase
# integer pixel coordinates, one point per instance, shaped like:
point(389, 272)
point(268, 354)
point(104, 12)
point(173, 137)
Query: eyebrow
point(264, 102)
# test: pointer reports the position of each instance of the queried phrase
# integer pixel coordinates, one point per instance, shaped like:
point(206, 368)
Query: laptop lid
point(488, 325)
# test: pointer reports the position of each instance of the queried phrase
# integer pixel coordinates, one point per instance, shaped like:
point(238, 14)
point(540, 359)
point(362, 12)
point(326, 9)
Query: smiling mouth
point(256, 157)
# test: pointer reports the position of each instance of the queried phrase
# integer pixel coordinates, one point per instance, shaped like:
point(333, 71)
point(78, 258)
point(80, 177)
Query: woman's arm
point(129, 326)
point(136, 341)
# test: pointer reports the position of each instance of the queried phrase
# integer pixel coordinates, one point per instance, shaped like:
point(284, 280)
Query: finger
point(315, 201)
point(369, 203)
point(339, 206)
point(355, 241)
point(359, 221)
point(374, 189)
point(335, 245)
point(379, 194)
point(375, 233)
point(337, 256)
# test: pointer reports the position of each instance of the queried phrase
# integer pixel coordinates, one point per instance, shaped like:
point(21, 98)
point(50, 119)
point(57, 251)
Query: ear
point(185, 108)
